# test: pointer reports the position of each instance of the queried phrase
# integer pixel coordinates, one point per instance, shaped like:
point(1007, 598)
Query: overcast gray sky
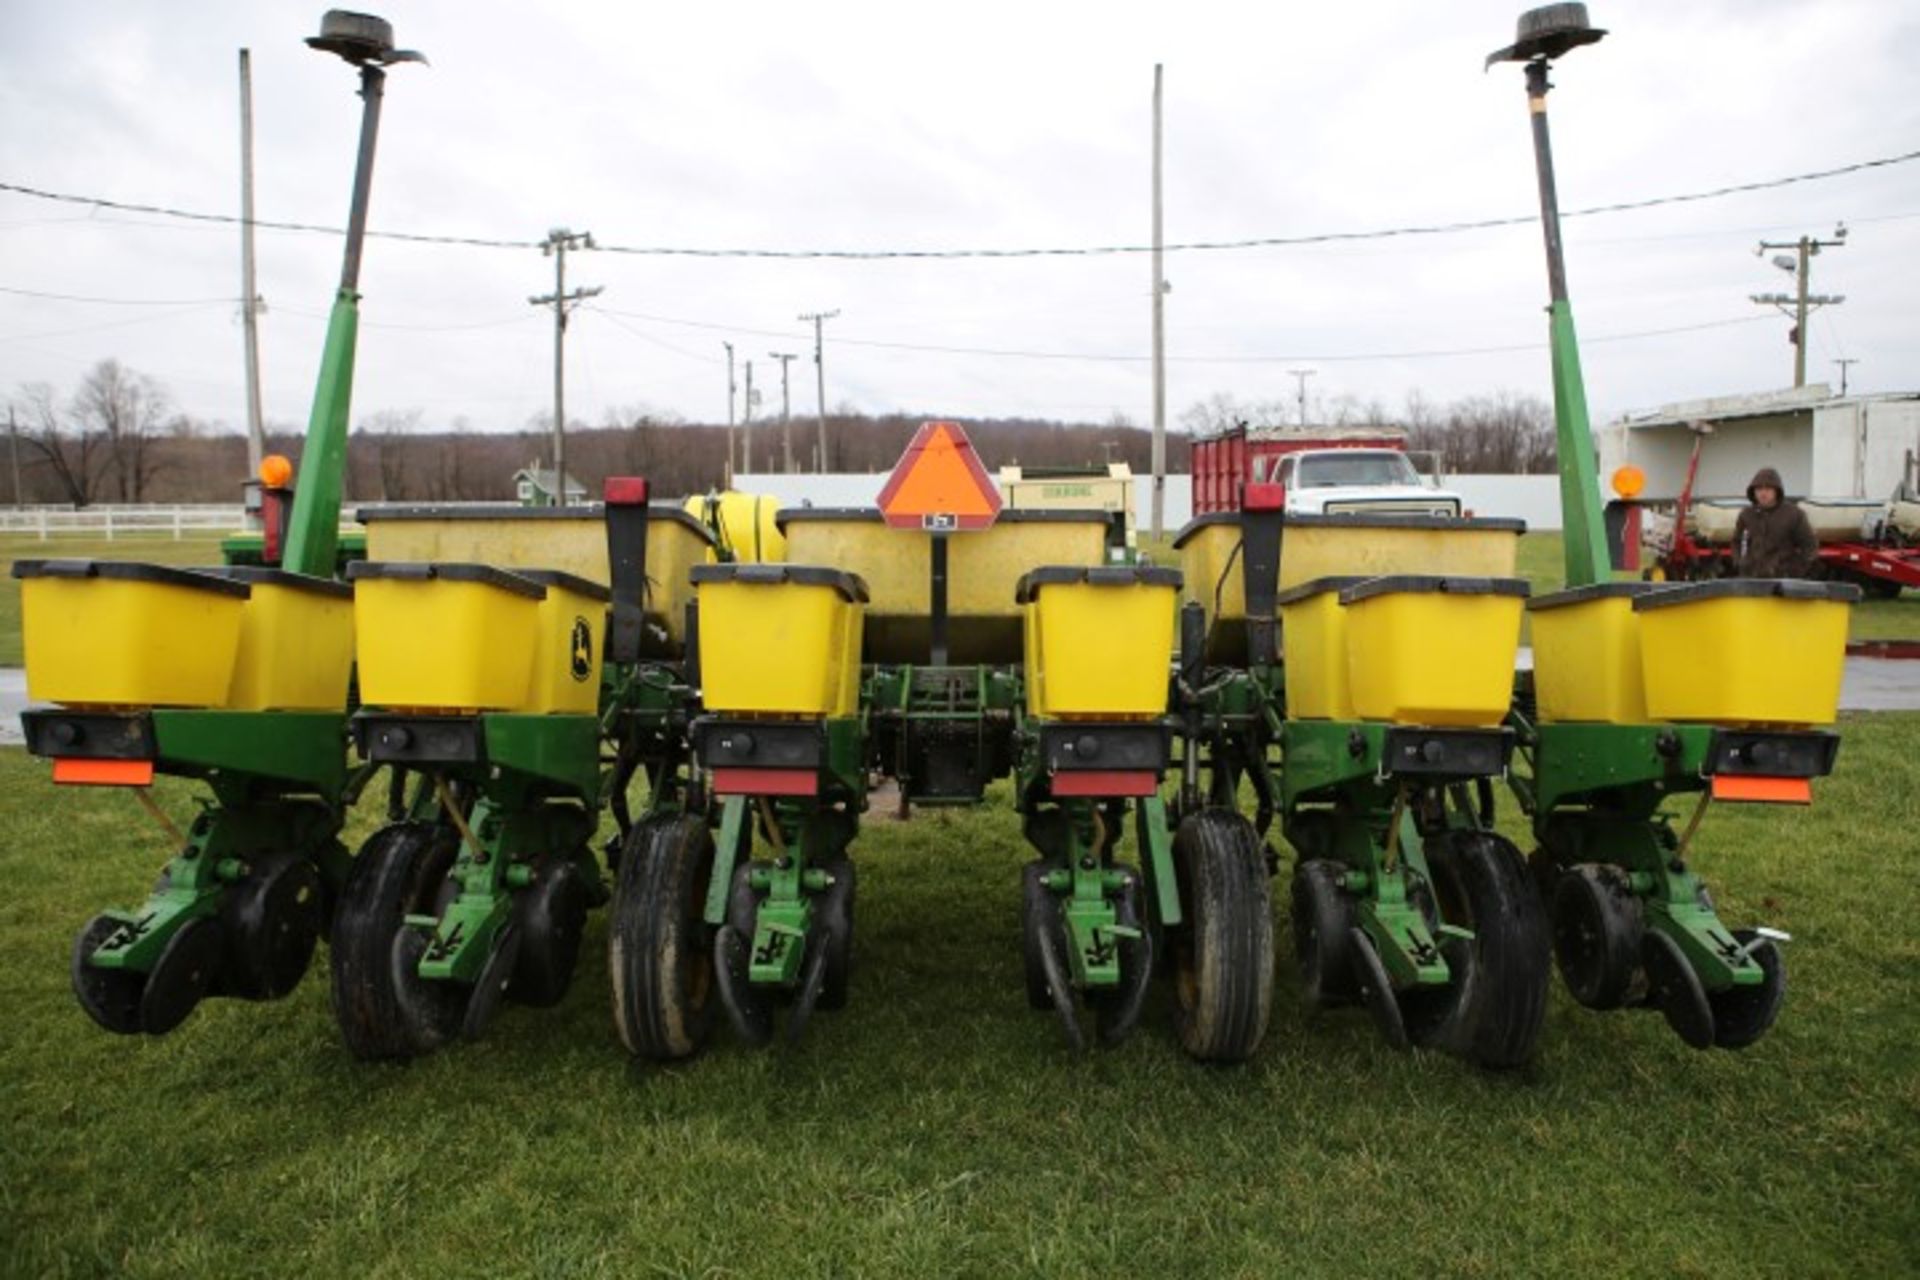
point(891, 126)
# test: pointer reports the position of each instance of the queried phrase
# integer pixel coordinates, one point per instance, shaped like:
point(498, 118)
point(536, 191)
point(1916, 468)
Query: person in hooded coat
point(1772, 538)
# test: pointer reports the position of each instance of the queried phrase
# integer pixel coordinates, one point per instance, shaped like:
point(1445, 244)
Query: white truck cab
point(1354, 482)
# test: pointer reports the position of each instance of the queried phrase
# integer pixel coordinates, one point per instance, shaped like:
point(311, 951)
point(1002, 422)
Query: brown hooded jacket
point(1775, 542)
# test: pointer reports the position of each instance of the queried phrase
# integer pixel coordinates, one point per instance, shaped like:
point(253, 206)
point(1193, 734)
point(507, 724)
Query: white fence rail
point(119, 521)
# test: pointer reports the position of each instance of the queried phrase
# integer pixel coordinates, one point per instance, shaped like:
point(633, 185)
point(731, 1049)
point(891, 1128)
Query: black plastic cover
point(1317, 586)
point(1595, 591)
point(1748, 588)
point(851, 586)
point(420, 571)
point(567, 582)
point(251, 574)
point(1433, 584)
point(668, 511)
point(1125, 575)
point(130, 571)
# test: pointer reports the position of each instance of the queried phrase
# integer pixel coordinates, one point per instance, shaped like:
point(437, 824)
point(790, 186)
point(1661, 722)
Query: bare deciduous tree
point(125, 410)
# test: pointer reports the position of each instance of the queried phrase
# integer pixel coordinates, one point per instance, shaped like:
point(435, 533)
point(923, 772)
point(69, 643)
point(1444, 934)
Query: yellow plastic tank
point(746, 526)
point(1099, 641)
point(570, 539)
point(1313, 641)
point(1313, 547)
point(1586, 654)
point(779, 639)
point(120, 634)
point(445, 637)
point(1381, 546)
point(567, 658)
point(296, 642)
point(984, 569)
point(1432, 650)
point(1745, 651)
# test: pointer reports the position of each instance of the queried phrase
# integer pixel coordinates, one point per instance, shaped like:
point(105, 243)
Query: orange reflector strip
point(1738, 787)
point(103, 773)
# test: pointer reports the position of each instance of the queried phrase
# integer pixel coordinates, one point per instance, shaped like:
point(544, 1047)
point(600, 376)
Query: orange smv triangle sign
point(939, 484)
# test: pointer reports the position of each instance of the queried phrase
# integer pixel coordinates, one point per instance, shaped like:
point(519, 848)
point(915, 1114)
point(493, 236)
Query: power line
point(1255, 242)
point(115, 302)
point(1121, 358)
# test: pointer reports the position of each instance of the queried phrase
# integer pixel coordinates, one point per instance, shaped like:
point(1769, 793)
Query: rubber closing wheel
point(1053, 968)
point(1322, 917)
point(1596, 935)
point(374, 956)
point(490, 988)
point(111, 997)
point(659, 945)
point(813, 980)
point(747, 1009)
point(182, 976)
point(1376, 990)
point(1116, 1011)
point(1493, 1011)
point(1674, 988)
point(431, 1011)
point(835, 910)
point(1741, 1015)
point(1037, 913)
point(1222, 959)
point(272, 920)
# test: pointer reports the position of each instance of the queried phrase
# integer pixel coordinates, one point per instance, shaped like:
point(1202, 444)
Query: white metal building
point(1823, 445)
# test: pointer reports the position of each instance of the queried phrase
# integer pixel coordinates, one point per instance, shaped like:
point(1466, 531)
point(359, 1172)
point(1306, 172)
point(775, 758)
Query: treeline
point(118, 438)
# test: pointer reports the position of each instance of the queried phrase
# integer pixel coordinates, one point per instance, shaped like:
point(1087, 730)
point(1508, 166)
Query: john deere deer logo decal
point(582, 649)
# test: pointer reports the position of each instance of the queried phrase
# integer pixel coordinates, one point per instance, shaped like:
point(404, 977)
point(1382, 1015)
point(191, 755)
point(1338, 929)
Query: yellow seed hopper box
point(114, 633)
point(1099, 641)
point(1430, 650)
point(779, 639)
point(1745, 651)
point(445, 637)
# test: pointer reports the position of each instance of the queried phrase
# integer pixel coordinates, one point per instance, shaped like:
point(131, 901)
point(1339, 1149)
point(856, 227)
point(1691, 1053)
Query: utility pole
point(746, 426)
point(1843, 362)
point(786, 419)
point(249, 290)
point(819, 318)
point(1300, 377)
point(1801, 302)
point(555, 246)
point(726, 472)
point(1159, 334)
